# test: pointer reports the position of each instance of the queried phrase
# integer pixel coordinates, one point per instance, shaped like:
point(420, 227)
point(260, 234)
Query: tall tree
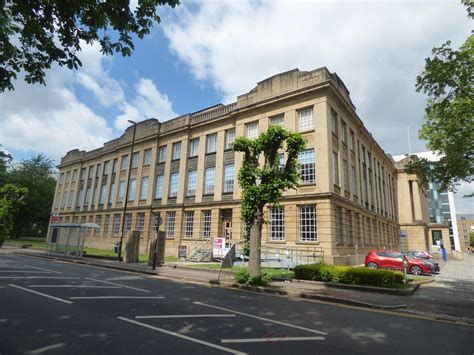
point(448, 79)
point(263, 179)
point(5, 158)
point(36, 34)
point(11, 199)
point(35, 174)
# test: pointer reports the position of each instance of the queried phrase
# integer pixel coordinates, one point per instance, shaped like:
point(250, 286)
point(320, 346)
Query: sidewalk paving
point(449, 297)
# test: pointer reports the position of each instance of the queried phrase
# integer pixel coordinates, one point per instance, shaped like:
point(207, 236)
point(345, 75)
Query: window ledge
point(307, 243)
point(306, 131)
point(275, 241)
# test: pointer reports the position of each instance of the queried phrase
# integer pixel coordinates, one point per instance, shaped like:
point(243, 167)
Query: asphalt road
point(52, 307)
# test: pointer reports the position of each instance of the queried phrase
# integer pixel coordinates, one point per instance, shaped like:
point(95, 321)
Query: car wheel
point(416, 270)
point(372, 265)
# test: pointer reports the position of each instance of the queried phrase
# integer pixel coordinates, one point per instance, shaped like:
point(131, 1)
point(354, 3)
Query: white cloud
point(464, 205)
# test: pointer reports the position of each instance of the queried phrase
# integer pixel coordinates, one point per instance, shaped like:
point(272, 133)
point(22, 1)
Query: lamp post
point(126, 191)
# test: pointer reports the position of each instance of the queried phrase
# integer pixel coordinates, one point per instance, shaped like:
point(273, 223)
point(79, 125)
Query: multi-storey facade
point(185, 169)
point(466, 228)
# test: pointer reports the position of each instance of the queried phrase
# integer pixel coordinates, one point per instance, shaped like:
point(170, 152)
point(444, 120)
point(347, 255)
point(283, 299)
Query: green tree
point(36, 34)
point(11, 199)
point(35, 174)
point(471, 239)
point(448, 79)
point(263, 181)
point(5, 158)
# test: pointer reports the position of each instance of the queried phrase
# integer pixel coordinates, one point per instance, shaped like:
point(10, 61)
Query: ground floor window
point(171, 219)
point(307, 223)
point(116, 226)
point(189, 223)
point(140, 226)
point(338, 223)
point(128, 222)
point(98, 221)
point(206, 225)
point(277, 223)
point(106, 225)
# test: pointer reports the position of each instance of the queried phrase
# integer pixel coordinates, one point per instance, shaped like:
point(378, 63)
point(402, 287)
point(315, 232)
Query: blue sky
point(208, 52)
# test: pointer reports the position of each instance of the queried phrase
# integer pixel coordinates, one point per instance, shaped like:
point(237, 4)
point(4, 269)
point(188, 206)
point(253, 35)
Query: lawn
point(269, 271)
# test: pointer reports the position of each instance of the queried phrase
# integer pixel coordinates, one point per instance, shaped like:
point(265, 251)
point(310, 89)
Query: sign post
point(156, 225)
point(405, 267)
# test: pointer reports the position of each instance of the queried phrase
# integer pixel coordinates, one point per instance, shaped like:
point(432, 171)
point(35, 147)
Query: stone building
point(466, 228)
point(185, 169)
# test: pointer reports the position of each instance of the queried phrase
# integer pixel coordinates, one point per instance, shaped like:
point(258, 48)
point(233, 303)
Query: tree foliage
point(448, 80)
point(263, 180)
point(36, 34)
point(5, 159)
point(11, 199)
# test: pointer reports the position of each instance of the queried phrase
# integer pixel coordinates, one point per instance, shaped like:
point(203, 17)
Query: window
point(106, 168)
point(206, 225)
point(91, 172)
point(61, 178)
point(97, 171)
point(357, 229)
point(333, 122)
point(192, 182)
point(116, 226)
point(352, 140)
point(176, 150)
point(171, 219)
point(71, 199)
point(281, 160)
point(229, 178)
point(121, 191)
point(140, 226)
point(147, 157)
point(128, 222)
point(112, 192)
point(144, 190)
point(343, 132)
point(251, 130)
point(79, 198)
point(58, 200)
point(132, 190)
point(338, 223)
point(94, 196)
point(103, 190)
point(124, 165)
point(114, 166)
point(211, 141)
point(174, 184)
point(209, 181)
point(277, 120)
point(106, 225)
point(354, 183)
point(74, 175)
point(88, 197)
point(307, 223)
point(63, 204)
point(229, 138)
point(335, 168)
point(194, 147)
point(135, 159)
point(307, 168)
point(83, 174)
point(68, 175)
point(159, 186)
point(305, 119)
point(345, 174)
point(188, 224)
point(162, 154)
point(277, 223)
point(347, 220)
point(98, 221)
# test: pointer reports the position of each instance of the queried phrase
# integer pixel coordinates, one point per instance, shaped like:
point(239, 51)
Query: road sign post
point(156, 226)
point(405, 267)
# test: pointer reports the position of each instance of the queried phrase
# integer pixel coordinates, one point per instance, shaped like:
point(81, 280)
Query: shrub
point(348, 275)
point(243, 277)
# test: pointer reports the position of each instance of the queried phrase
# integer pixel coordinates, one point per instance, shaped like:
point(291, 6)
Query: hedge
point(348, 275)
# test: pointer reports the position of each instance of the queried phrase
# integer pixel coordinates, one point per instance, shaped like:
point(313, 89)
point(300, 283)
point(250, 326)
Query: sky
point(207, 52)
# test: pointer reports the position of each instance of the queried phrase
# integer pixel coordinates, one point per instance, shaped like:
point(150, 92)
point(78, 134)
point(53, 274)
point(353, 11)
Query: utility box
point(160, 250)
point(132, 247)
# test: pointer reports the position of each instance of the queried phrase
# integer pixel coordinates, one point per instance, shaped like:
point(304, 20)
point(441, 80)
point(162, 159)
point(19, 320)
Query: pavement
point(450, 297)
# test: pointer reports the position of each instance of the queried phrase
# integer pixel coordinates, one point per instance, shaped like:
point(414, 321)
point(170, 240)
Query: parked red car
point(387, 259)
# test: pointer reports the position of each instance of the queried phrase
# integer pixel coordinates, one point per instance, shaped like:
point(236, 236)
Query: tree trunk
point(255, 245)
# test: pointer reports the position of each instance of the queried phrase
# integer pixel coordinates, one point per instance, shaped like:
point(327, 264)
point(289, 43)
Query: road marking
point(261, 318)
point(185, 337)
point(40, 268)
point(70, 286)
point(26, 271)
point(115, 284)
point(115, 297)
point(186, 316)
point(269, 339)
point(46, 348)
point(40, 277)
point(41, 294)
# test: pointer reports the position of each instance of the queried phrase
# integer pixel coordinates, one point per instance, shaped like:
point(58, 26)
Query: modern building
point(466, 228)
point(185, 170)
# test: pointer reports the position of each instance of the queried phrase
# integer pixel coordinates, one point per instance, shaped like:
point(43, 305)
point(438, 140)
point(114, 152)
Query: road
point(51, 307)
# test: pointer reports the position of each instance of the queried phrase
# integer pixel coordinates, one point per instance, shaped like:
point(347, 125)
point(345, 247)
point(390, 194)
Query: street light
point(126, 191)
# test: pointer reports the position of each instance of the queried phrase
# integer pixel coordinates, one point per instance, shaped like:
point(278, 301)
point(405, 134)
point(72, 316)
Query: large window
point(211, 142)
point(333, 122)
point(171, 219)
point(206, 225)
point(335, 168)
point(135, 159)
point(305, 120)
point(229, 178)
point(229, 138)
point(147, 157)
point(128, 222)
point(121, 191)
point(112, 192)
point(87, 198)
point(144, 188)
point(277, 120)
point(251, 130)
point(132, 190)
point(192, 182)
point(106, 225)
point(98, 221)
point(188, 224)
point(74, 175)
point(176, 150)
point(79, 198)
point(174, 184)
point(209, 181)
point(103, 191)
point(71, 199)
point(345, 174)
point(140, 224)
point(338, 223)
point(277, 223)
point(307, 166)
point(194, 147)
point(162, 154)
point(160, 179)
point(352, 140)
point(354, 180)
point(307, 223)
point(114, 166)
point(116, 226)
point(106, 168)
point(63, 204)
point(343, 132)
point(124, 165)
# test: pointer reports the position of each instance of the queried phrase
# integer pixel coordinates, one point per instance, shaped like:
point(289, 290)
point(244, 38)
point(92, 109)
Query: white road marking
point(185, 337)
point(186, 316)
point(46, 348)
point(261, 318)
point(26, 271)
point(114, 297)
point(40, 277)
point(40, 268)
point(41, 294)
point(269, 339)
point(115, 284)
point(70, 286)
